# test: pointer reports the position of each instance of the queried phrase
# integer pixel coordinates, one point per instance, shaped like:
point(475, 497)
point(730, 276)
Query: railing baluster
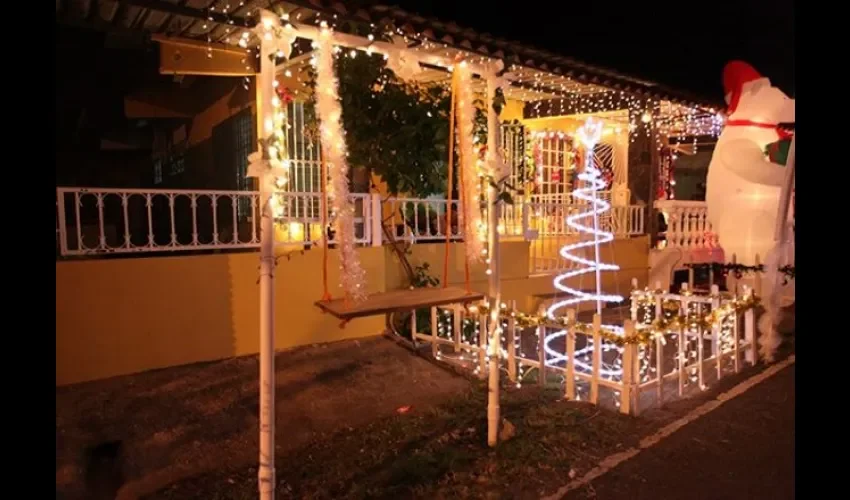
point(100, 224)
point(149, 203)
point(234, 200)
point(194, 198)
point(173, 227)
point(214, 202)
point(125, 200)
point(254, 236)
point(77, 203)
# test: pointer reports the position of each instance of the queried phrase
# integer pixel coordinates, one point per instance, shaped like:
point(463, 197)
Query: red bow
point(284, 95)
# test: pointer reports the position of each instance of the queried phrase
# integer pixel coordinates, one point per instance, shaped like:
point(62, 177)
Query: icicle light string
point(665, 118)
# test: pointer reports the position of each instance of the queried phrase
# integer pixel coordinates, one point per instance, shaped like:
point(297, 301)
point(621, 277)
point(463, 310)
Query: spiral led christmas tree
point(585, 222)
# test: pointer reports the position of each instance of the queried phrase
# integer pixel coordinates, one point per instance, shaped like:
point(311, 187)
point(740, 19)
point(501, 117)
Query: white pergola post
point(494, 165)
point(265, 125)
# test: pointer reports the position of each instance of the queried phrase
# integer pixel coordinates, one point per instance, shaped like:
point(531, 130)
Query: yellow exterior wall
point(122, 316)
point(512, 110)
point(115, 317)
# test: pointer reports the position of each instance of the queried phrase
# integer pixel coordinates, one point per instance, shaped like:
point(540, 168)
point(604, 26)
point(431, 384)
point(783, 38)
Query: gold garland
point(670, 320)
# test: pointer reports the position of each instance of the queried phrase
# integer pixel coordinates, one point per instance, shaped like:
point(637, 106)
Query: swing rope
point(326, 295)
point(451, 182)
point(462, 206)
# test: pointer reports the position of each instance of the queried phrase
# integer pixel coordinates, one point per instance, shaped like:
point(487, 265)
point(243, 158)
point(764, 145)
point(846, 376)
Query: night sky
point(683, 44)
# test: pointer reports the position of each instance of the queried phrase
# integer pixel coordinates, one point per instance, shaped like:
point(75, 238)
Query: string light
point(589, 135)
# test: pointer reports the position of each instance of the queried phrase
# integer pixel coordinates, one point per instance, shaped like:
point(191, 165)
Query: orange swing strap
point(450, 182)
point(462, 206)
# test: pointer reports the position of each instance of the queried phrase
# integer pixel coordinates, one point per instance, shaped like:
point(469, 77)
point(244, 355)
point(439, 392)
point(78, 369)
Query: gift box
point(777, 152)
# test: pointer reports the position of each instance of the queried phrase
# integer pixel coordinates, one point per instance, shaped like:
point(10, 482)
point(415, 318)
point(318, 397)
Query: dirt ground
point(179, 422)
point(344, 430)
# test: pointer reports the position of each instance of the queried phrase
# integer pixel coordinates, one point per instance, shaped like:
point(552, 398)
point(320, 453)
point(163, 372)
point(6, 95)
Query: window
point(243, 139)
point(157, 171)
point(177, 164)
point(513, 151)
point(556, 168)
point(303, 148)
point(603, 157)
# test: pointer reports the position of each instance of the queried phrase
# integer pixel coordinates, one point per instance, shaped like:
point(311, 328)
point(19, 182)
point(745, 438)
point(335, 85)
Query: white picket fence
point(590, 367)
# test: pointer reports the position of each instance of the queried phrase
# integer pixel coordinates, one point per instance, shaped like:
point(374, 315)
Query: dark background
point(683, 44)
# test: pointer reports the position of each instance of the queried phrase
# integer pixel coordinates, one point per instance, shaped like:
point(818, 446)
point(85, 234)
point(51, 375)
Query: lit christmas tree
point(585, 222)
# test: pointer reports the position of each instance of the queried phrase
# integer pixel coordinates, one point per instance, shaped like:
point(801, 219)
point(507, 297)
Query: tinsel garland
point(790, 272)
point(353, 278)
point(473, 225)
point(670, 322)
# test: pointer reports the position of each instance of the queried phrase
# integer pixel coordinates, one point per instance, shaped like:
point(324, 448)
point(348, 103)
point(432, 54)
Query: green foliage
point(396, 130)
point(421, 279)
point(400, 130)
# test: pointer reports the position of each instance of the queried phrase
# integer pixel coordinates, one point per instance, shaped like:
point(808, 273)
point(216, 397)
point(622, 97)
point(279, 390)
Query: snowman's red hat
point(735, 75)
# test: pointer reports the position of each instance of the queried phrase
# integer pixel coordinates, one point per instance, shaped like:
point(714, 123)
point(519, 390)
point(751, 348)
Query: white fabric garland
point(334, 151)
point(473, 225)
point(404, 65)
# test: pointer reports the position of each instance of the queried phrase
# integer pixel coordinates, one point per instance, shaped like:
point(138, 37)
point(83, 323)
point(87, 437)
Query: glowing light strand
point(589, 135)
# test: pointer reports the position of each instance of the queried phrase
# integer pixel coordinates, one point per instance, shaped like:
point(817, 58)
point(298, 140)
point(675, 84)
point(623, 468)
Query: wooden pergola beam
point(190, 57)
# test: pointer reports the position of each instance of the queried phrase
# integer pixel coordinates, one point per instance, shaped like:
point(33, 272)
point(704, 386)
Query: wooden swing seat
point(398, 300)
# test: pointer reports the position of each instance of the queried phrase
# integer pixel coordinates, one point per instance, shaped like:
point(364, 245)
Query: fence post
point(511, 340)
point(683, 360)
point(629, 370)
point(750, 336)
point(482, 345)
point(757, 278)
point(570, 383)
point(457, 326)
point(597, 358)
point(435, 351)
point(541, 355)
point(715, 331)
point(633, 309)
point(731, 277)
point(376, 220)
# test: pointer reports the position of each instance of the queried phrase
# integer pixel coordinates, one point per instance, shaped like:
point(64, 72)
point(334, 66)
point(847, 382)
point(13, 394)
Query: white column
point(493, 212)
point(376, 218)
point(265, 92)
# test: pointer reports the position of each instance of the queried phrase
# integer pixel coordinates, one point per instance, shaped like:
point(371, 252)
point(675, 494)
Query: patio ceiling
point(538, 74)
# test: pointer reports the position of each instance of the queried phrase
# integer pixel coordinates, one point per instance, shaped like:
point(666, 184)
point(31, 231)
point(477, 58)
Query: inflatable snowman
point(744, 185)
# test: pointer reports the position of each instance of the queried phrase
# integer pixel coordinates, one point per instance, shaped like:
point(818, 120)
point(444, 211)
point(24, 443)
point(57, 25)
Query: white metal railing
point(548, 223)
point(687, 224)
point(92, 221)
point(104, 220)
point(415, 219)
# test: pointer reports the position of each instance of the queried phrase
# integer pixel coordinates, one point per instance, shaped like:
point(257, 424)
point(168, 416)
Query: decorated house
point(407, 87)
